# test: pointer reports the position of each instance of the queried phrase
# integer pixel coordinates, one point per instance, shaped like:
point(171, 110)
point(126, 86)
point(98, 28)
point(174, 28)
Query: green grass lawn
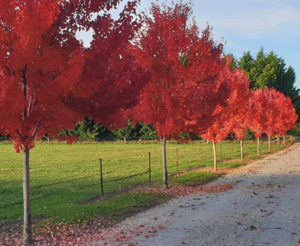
point(64, 177)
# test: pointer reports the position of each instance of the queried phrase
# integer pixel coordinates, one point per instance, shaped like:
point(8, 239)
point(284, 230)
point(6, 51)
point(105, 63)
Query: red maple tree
point(256, 107)
point(184, 88)
point(47, 76)
point(287, 117)
point(230, 115)
point(280, 113)
point(272, 113)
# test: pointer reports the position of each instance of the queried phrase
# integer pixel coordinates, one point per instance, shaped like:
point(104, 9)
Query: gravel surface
point(263, 208)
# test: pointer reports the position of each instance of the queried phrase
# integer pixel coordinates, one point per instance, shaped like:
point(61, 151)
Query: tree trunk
point(284, 140)
point(215, 156)
point(124, 139)
point(164, 158)
point(27, 230)
point(242, 150)
point(269, 142)
point(258, 151)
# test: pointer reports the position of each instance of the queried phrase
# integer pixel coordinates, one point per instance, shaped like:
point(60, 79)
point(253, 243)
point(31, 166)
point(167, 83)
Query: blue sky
point(247, 25)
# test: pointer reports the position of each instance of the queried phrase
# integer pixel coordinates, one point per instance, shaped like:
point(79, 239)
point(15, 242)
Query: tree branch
point(24, 87)
point(20, 135)
point(29, 106)
point(35, 131)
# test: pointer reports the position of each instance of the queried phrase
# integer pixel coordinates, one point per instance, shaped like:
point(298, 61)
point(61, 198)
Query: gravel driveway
point(263, 208)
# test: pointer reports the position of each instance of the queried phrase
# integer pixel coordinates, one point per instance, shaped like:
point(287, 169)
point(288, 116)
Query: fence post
point(201, 156)
point(149, 167)
point(242, 150)
point(249, 148)
point(101, 179)
point(221, 158)
point(177, 160)
point(258, 149)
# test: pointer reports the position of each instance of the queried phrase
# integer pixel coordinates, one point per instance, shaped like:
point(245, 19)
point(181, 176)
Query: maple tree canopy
point(280, 113)
point(48, 80)
point(184, 88)
point(271, 112)
point(257, 106)
point(231, 114)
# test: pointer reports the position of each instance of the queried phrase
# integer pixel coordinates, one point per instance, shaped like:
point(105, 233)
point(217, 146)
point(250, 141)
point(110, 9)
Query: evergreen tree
point(269, 70)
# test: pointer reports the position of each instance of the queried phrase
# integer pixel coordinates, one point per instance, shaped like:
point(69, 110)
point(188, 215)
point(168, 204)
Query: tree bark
point(258, 150)
point(269, 142)
point(27, 230)
point(242, 150)
point(164, 158)
point(215, 157)
point(284, 140)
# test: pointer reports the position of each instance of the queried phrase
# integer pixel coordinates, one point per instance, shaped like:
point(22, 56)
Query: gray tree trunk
point(27, 230)
point(242, 150)
point(215, 157)
point(258, 151)
point(124, 139)
point(284, 140)
point(269, 142)
point(164, 158)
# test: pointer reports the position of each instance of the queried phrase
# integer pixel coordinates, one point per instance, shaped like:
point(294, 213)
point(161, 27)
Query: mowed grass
point(64, 178)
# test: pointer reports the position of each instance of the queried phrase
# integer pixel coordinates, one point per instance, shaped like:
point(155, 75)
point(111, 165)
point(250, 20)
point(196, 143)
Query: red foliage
point(183, 190)
point(183, 90)
point(272, 113)
point(257, 105)
point(48, 80)
point(112, 78)
point(232, 115)
point(88, 233)
point(280, 113)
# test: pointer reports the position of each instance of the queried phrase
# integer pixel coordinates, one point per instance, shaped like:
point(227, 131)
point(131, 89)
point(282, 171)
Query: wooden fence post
point(149, 167)
point(249, 148)
point(201, 156)
point(177, 160)
point(258, 150)
point(221, 158)
point(101, 179)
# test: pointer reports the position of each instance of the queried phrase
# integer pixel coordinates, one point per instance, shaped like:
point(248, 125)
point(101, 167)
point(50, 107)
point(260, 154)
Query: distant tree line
point(89, 131)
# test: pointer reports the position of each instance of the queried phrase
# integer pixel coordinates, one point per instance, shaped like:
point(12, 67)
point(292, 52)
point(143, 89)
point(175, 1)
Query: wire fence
point(111, 170)
point(183, 160)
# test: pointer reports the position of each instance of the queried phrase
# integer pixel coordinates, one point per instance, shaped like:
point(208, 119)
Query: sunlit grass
point(62, 176)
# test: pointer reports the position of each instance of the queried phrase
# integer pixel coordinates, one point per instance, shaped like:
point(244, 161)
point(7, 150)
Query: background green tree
point(269, 70)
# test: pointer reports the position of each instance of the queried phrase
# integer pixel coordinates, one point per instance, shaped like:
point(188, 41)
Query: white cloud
point(253, 20)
